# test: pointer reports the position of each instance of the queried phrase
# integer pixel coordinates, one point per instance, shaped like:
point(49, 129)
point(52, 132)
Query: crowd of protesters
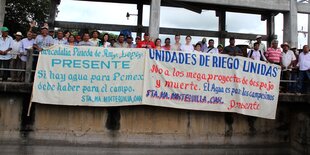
point(295, 64)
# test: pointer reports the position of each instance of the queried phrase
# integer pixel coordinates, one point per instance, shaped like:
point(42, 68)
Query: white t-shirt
point(287, 58)
point(176, 47)
point(304, 61)
point(16, 45)
point(211, 51)
point(5, 45)
point(256, 55)
point(95, 41)
point(189, 48)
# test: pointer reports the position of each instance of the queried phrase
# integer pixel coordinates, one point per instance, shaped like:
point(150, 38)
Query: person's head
point(305, 48)
point(146, 36)
point(106, 37)
point(232, 41)
point(285, 46)
point(67, 33)
point(60, 35)
point(167, 41)
point(138, 39)
point(198, 47)
point(158, 42)
point(204, 40)
point(259, 39)
point(95, 34)
point(78, 38)
point(44, 31)
point(129, 40)
point(4, 31)
point(220, 47)
point(211, 43)
point(86, 36)
point(121, 38)
point(177, 38)
point(188, 39)
point(71, 38)
point(29, 35)
point(256, 46)
point(34, 35)
point(274, 43)
point(18, 36)
point(51, 32)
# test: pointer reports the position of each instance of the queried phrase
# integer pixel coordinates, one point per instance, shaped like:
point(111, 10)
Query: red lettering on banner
point(240, 105)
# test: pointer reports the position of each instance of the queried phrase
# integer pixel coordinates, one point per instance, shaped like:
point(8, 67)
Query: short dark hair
point(198, 44)
point(92, 33)
point(167, 39)
point(121, 35)
point(85, 34)
point(232, 38)
point(188, 36)
point(256, 43)
point(211, 40)
point(177, 35)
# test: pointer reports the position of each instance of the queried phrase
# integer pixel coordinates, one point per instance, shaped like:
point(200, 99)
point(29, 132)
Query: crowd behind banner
point(295, 64)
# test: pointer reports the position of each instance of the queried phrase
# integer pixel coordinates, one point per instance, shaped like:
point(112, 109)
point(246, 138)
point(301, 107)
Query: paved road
point(11, 149)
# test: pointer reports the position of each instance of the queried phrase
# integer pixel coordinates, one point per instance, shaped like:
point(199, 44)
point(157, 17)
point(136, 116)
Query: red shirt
point(273, 55)
point(144, 44)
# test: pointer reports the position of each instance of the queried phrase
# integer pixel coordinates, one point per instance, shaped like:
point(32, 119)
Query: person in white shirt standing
point(262, 46)
point(211, 49)
point(15, 62)
point(256, 53)
point(95, 40)
point(287, 62)
point(5, 47)
point(177, 45)
point(187, 46)
point(304, 70)
point(26, 44)
point(60, 40)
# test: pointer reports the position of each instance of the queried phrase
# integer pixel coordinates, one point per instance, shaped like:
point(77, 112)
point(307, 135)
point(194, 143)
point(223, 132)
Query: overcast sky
point(115, 13)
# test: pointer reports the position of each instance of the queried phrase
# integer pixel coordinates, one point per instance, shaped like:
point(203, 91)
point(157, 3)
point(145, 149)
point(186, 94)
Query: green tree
point(19, 13)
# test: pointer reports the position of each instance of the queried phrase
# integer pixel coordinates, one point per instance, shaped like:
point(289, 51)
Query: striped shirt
point(274, 55)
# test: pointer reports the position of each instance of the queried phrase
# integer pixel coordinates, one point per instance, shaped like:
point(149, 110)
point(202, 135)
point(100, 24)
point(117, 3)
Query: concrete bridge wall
point(150, 126)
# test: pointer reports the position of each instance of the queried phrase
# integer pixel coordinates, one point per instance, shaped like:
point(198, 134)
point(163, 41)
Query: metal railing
point(29, 67)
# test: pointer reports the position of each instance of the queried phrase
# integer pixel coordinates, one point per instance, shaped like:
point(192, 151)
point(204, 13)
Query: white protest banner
point(199, 81)
point(89, 76)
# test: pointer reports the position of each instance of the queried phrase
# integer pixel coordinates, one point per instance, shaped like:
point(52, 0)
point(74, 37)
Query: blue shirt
point(44, 42)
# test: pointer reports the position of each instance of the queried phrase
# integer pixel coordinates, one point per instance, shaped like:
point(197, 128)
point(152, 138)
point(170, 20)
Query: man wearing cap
point(287, 61)
point(274, 53)
point(5, 47)
point(51, 32)
point(15, 62)
point(304, 70)
point(262, 46)
point(146, 43)
point(232, 50)
point(43, 40)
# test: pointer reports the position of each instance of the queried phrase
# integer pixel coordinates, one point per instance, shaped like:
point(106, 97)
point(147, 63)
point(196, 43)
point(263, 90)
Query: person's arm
point(293, 60)
point(10, 46)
